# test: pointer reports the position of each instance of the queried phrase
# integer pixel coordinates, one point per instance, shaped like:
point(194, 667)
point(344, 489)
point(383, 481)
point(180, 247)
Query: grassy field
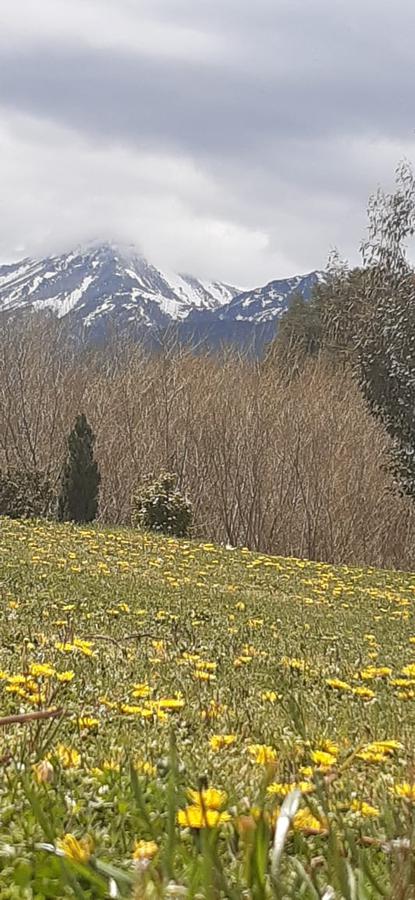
point(222, 724)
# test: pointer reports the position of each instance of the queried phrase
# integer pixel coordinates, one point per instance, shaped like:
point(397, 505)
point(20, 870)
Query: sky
point(233, 139)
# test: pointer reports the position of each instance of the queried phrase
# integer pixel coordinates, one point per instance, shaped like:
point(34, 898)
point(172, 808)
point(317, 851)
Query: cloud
point(230, 138)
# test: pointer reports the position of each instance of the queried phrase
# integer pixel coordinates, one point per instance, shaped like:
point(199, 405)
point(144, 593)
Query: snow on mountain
point(106, 280)
point(268, 303)
point(105, 284)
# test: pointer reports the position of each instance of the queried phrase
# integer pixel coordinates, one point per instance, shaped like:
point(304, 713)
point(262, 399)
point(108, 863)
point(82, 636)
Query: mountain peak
point(106, 282)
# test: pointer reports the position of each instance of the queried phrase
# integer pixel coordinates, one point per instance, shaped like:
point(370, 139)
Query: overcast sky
point(236, 139)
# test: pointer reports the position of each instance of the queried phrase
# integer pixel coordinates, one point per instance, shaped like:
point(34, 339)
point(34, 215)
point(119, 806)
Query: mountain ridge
point(100, 284)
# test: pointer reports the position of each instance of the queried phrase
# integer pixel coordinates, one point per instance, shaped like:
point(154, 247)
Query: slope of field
point(191, 689)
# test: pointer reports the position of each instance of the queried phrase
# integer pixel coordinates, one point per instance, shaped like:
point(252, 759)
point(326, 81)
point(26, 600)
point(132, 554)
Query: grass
point(277, 691)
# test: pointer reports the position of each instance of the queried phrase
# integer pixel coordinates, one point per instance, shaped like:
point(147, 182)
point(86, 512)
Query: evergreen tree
point(298, 337)
point(78, 499)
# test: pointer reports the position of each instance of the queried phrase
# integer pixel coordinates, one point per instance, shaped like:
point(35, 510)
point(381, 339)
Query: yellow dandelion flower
point(145, 768)
point(141, 690)
point(65, 677)
point(375, 672)
point(270, 696)
point(262, 754)
point(338, 685)
point(78, 851)
point(323, 759)
point(329, 747)
point(208, 798)
point(201, 675)
point(145, 850)
point(282, 789)
point(65, 647)
point(364, 692)
point(41, 670)
point(305, 821)
point(364, 809)
point(88, 722)
point(67, 756)
point(198, 817)
point(405, 790)
point(409, 670)
point(84, 647)
point(221, 741)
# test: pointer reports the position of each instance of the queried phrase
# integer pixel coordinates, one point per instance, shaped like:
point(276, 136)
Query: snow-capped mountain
point(104, 281)
point(250, 319)
point(264, 304)
point(100, 285)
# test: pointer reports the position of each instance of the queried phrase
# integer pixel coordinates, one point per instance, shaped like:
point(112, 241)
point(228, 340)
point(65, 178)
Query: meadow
point(182, 719)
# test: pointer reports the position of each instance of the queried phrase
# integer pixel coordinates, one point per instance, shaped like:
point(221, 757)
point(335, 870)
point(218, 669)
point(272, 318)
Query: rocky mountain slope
point(104, 285)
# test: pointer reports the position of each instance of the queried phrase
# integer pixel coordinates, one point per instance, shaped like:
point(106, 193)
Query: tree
point(370, 313)
point(78, 499)
point(387, 351)
point(299, 335)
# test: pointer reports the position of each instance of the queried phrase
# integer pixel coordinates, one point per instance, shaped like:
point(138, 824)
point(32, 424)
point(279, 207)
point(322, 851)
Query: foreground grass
point(195, 693)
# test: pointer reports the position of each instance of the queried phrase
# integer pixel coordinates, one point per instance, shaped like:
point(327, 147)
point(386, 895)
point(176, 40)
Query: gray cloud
point(231, 138)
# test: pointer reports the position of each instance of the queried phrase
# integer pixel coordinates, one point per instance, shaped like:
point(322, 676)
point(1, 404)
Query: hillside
point(268, 673)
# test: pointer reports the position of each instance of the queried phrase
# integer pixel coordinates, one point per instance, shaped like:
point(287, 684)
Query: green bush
point(25, 494)
point(159, 506)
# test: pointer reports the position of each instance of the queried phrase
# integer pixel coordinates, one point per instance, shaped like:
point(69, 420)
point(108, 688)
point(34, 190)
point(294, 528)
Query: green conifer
point(78, 499)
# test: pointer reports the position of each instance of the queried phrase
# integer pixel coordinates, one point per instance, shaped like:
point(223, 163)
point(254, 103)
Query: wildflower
point(295, 665)
point(65, 677)
point(330, 747)
point(170, 704)
point(323, 759)
point(403, 682)
point(378, 751)
point(110, 765)
point(364, 692)
point(338, 685)
point(364, 809)
point(262, 754)
point(43, 771)
point(405, 790)
point(38, 670)
point(307, 771)
point(409, 670)
point(306, 822)
point(64, 647)
point(144, 851)
point(201, 675)
point(209, 798)
point(141, 690)
point(88, 722)
point(207, 665)
point(375, 672)
point(213, 711)
point(78, 851)
point(282, 789)
point(145, 768)
point(130, 710)
point(196, 816)
point(221, 741)
point(84, 647)
point(270, 696)
point(67, 756)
